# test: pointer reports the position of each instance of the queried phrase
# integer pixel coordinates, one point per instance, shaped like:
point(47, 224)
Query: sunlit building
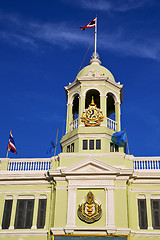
point(92, 188)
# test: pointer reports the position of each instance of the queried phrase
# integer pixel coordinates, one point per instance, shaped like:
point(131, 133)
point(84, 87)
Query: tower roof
point(95, 64)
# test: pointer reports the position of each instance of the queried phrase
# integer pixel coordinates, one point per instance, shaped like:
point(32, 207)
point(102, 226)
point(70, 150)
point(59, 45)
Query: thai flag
point(11, 145)
point(90, 24)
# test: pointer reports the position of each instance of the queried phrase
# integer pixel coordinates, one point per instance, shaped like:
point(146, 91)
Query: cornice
point(20, 175)
point(149, 234)
point(92, 231)
point(24, 233)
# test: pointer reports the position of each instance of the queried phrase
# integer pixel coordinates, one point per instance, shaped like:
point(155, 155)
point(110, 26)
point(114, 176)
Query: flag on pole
point(119, 138)
point(90, 24)
point(11, 145)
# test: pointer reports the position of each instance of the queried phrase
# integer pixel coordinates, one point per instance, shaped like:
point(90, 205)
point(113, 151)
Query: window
point(72, 147)
point(85, 144)
point(155, 208)
point(68, 148)
point(98, 144)
point(142, 212)
point(91, 144)
point(24, 214)
point(7, 214)
point(41, 213)
point(116, 148)
point(111, 147)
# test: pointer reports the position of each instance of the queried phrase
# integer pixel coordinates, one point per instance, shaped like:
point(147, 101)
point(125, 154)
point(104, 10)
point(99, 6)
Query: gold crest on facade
point(90, 210)
point(92, 116)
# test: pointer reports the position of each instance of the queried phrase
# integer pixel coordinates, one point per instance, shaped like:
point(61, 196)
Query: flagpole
point(7, 154)
point(127, 141)
point(56, 144)
point(95, 46)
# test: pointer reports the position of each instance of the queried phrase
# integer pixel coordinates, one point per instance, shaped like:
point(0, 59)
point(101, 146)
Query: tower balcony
point(74, 124)
point(109, 123)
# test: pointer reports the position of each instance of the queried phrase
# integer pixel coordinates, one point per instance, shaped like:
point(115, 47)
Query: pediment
point(91, 165)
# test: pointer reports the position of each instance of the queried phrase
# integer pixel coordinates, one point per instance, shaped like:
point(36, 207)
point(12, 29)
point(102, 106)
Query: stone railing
point(74, 124)
point(111, 124)
point(29, 165)
point(147, 164)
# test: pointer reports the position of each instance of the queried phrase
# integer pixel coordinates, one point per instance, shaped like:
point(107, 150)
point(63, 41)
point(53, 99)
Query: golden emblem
point(90, 210)
point(92, 116)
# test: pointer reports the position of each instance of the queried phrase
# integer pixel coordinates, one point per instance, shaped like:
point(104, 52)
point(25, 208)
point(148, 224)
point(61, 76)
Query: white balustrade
point(148, 164)
point(29, 165)
point(111, 124)
point(74, 124)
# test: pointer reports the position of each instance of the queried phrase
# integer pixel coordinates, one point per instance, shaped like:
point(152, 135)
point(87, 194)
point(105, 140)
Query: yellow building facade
point(92, 189)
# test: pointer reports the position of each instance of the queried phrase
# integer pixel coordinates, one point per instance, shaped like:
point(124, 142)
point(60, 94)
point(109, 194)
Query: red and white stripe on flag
point(90, 24)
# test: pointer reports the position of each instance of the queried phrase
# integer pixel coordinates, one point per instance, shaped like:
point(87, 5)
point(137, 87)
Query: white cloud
point(111, 5)
point(33, 35)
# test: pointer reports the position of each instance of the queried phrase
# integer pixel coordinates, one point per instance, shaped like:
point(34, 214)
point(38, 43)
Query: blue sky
point(41, 51)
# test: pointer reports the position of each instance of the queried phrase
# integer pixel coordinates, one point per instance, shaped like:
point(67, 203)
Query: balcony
point(111, 124)
point(74, 124)
point(147, 164)
point(29, 165)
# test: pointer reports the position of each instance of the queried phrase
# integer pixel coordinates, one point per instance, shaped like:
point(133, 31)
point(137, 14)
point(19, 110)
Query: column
point(13, 213)
point(35, 212)
point(118, 116)
point(104, 109)
point(110, 208)
point(149, 214)
point(106, 190)
point(71, 209)
point(69, 116)
point(81, 109)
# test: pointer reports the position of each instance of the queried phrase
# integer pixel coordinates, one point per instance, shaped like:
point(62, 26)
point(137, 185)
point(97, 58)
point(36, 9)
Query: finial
point(95, 59)
point(92, 102)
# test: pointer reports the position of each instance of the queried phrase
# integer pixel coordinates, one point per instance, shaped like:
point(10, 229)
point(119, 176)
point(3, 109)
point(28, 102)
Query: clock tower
point(93, 111)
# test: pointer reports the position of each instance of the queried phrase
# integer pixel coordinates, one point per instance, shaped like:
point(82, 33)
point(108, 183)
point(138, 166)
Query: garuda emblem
point(92, 116)
point(90, 210)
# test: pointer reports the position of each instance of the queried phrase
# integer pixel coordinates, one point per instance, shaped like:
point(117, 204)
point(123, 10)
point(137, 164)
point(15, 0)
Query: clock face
point(92, 116)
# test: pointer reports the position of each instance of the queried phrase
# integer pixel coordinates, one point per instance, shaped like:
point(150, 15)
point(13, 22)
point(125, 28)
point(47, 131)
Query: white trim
point(10, 197)
point(26, 197)
point(71, 209)
point(141, 196)
point(92, 154)
point(76, 88)
point(115, 97)
point(18, 233)
point(144, 234)
point(70, 101)
point(91, 231)
point(92, 88)
point(24, 191)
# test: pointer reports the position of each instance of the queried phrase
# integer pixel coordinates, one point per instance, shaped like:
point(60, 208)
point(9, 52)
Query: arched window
point(110, 106)
point(75, 107)
point(96, 96)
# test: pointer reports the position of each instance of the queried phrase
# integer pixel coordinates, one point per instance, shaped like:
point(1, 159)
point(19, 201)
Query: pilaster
point(103, 106)
point(110, 222)
point(71, 210)
point(118, 116)
point(149, 214)
point(13, 212)
point(69, 116)
point(35, 212)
